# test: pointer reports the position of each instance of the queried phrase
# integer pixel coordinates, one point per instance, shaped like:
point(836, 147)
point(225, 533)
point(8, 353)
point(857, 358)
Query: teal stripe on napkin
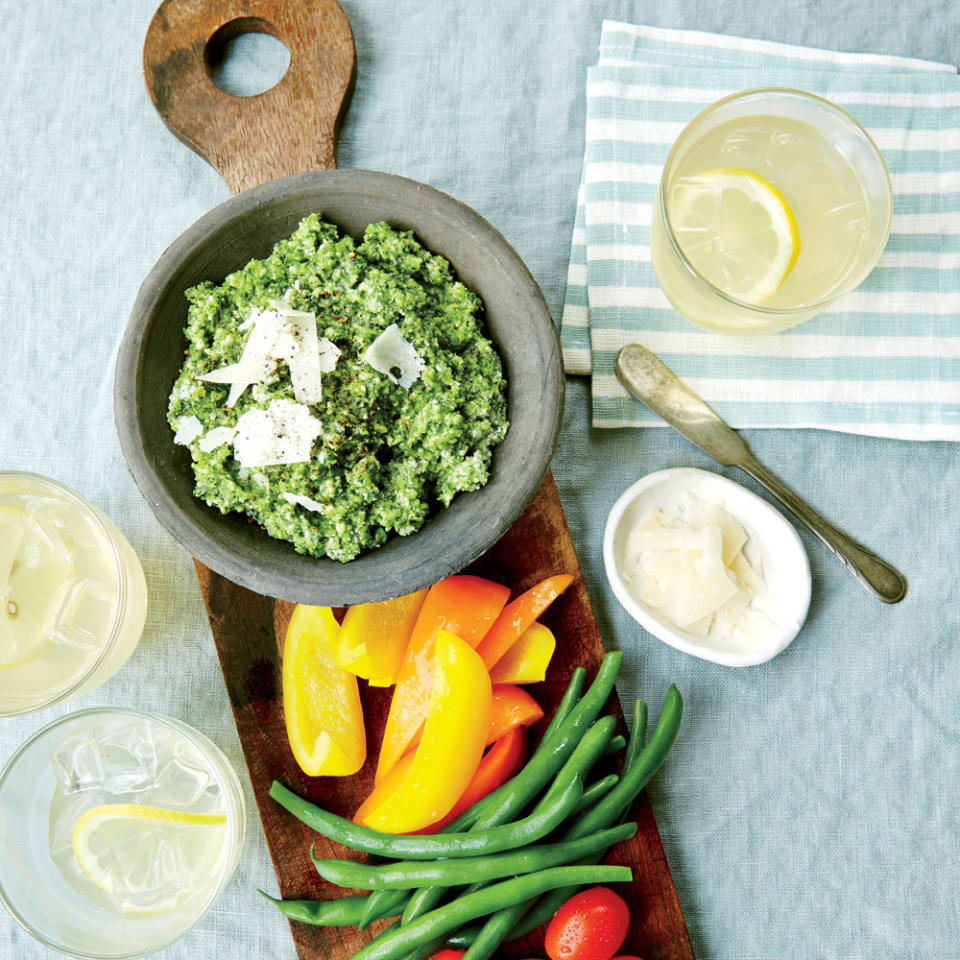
point(884, 360)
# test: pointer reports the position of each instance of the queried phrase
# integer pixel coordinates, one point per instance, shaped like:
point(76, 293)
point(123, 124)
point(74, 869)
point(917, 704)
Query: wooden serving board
point(293, 127)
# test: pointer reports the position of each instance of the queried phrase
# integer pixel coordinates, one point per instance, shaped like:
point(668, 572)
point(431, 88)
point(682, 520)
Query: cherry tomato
point(591, 925)
point(624, 956)
point(448, 955)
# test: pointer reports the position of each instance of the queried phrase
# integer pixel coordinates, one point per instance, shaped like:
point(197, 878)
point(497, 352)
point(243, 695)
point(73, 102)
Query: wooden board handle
point(289, 128)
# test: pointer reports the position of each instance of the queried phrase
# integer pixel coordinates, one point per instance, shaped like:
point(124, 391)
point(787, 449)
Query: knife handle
point(875, 574)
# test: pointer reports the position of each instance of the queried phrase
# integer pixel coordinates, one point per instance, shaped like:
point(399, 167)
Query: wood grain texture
point(288, 129)
point(248, 630)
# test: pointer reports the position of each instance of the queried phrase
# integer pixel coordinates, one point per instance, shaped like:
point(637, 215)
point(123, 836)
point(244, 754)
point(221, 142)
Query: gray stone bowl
point(247, 226)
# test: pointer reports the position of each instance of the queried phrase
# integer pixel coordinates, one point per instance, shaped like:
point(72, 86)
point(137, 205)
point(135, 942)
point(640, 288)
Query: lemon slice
point(321, 701)
point(148, 859)
point(737, 230)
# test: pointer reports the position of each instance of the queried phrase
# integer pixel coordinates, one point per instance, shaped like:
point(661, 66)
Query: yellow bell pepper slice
point(450, 749)
point(527, 660)
point(374, 637)
point(321, 702)
point(463, 605)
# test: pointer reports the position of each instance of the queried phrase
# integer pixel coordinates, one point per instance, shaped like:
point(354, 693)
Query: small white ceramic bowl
point(772, 539)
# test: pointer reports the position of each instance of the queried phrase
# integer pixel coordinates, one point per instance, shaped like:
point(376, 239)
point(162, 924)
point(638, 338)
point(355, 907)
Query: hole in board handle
point(245, 57)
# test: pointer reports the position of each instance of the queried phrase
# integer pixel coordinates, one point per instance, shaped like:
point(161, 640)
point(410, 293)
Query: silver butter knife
point(652, 382)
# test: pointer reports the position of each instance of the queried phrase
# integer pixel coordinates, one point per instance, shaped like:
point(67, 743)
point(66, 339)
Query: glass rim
point(236, 817)
point(123, 590)
point(809, 305)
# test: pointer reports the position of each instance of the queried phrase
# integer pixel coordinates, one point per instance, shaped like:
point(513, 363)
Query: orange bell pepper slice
point(511, 708)
point(451, 746)
point(527, 660)
point(499, 764)
point(518, 615)
point(462, 605)
point(374, 637)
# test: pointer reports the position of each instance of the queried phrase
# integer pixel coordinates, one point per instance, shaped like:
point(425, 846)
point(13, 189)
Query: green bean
point(422, 901)
point(496, 930)
point(407, 875)
point(515, 794)
point(594, 792)
point(647, 760)
point(567, 702)
point(427, 950)
point(552, 752)
point(638, 733)
point(398, 941)
point(637, 776)
point(342, 912)
point(493, 840)
point(559, 741)
point(615, 745)
point(542, 910)
point(382, 903)
point(579, 764)
point(590, 748)
point(462, 938)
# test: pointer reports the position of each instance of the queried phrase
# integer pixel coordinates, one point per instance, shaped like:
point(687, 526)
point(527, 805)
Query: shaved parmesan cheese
point(256, 362)
point(216, 437)
point(701, 514)
point(233, 373)
point(298, 500)
point(691, 570)
point(297, 344)
point(280, 333)
point(391, 352)
point(188, 429)
point(329, 355)
point(283, 433)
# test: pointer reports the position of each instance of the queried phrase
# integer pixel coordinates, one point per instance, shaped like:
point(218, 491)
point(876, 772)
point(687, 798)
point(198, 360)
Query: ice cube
point(182, 780)
point(64, 813)
point(61, 831)
point(80, 613)
point(210, 800)
point(157, 869)
point(736, 144)
point(146, 873)
point(117, 759)
point(47, 524)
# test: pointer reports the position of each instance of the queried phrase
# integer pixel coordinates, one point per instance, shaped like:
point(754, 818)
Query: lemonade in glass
point(772, 204)
point(73, 599)
point(118, 829)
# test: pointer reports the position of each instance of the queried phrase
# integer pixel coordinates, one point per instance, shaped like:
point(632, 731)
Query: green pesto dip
point(386, 458)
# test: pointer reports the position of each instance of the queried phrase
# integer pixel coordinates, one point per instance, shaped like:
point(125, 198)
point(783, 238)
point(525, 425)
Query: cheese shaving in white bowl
point(682, 566)
point(707, 566)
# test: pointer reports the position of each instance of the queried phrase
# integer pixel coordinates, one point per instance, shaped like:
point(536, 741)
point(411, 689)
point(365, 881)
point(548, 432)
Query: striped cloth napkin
point(885, 359)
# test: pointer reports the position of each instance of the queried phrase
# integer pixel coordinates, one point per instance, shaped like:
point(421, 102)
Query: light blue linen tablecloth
point(810, 808)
